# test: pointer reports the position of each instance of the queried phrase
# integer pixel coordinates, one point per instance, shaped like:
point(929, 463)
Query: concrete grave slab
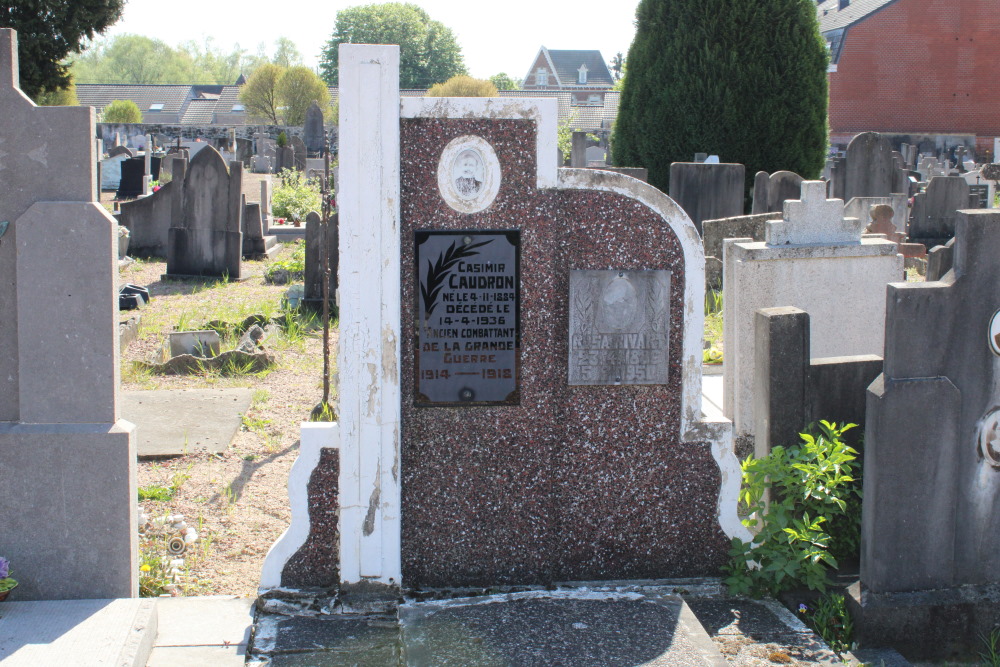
point(83, 633)
point(574, 628)
point(174, 422)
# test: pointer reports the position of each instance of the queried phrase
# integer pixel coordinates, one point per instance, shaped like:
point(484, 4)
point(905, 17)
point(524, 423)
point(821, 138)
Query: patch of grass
point(157, 493)
point(255, 424)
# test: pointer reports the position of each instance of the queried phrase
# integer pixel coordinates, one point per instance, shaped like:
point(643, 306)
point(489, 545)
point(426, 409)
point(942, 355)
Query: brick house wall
point(921, 67)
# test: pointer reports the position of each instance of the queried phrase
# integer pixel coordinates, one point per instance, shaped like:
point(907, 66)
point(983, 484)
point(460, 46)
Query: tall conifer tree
point(744, 79)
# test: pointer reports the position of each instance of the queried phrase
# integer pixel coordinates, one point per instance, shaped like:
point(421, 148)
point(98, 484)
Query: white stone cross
point(814, 220)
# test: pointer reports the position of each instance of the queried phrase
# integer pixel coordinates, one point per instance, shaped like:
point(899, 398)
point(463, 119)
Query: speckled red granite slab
point(576, 482)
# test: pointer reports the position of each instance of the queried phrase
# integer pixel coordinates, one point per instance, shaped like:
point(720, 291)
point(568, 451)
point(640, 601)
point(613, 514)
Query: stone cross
point(813, 219)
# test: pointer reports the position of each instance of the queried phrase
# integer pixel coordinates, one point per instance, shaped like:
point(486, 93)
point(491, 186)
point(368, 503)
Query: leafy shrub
point(463, 86)
point(295, 197)
point(812, 490)
point(121, 111)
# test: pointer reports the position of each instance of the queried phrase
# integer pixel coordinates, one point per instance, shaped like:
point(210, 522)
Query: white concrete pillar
point(368, 359)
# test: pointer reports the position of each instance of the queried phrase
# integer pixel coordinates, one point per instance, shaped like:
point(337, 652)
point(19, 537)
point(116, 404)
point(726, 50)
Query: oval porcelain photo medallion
point(995, 333)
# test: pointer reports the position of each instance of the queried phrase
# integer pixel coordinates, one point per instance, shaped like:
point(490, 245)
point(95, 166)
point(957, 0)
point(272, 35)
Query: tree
point(617, 66)
point(49, 31)
point(141, 60)
point(121, 111)
point(504, 82)
point(297, 89)
point(463, 86)
point(63, 97)
point(744, 80)
point(428, 51)
point(260, 93)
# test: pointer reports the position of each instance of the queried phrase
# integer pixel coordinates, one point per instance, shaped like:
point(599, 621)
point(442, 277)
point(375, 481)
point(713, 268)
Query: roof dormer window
point(542, 77)
point(582, 78)
point(156, 107)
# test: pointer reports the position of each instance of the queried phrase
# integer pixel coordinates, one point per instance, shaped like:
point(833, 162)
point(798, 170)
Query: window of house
point(542, 77)
point(238, 107)
point(596, 100)
point(835, 42)
point(156, 107)
point(582, 78)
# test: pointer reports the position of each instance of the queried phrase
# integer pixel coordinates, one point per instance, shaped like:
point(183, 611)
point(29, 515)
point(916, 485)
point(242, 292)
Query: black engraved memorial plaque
point(618, 327)
point(468, 345)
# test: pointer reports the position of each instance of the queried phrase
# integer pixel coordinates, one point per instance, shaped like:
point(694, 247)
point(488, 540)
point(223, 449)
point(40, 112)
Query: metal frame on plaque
point(467, 348)
point(619, 327)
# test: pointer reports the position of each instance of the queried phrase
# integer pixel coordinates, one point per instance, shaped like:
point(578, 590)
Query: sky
point(504, 41)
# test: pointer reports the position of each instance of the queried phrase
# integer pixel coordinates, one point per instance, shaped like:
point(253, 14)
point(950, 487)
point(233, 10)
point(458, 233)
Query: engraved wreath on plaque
point(619, 327)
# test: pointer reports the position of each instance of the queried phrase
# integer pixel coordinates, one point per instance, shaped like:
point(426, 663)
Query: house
point(583, 74)
point(203, 106)
point(925, 69)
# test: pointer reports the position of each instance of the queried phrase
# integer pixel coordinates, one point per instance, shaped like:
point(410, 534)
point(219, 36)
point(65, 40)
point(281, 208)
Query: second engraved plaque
point(619, 325)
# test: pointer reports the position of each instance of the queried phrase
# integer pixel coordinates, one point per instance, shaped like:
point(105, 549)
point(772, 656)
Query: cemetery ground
point(237, 500)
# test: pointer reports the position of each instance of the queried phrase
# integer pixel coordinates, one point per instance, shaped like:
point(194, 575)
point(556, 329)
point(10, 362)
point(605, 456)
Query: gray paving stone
point(174, 422)
point(197, 656)
point(217, 620)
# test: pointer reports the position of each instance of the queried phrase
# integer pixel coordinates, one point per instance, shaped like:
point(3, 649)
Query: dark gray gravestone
point(285, 158)
point(870, 167)
point(707, 191)
point(313, 134)
point(253, 231)
point(932, 221)
point(299, 153)
point(149, 219)
point(932, 457)
point(578, 151)
point(133, 170)
point(791, 389)
point(206, 239)
point(244, 150)
point(314, 262)
point(774, 189)
point(940, 259)
point(838, 178)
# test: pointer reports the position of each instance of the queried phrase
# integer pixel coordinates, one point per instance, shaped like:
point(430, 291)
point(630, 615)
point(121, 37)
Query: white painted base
point(315, 437)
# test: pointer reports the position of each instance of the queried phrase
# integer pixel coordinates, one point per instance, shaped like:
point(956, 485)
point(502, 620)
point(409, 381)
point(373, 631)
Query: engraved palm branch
point(437, 272)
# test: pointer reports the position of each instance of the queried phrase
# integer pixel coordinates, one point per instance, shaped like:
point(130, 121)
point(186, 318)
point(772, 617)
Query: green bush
point(295, 197)
point(814, 501)
point(744, 80)
point(121, 111)
point(288, 270)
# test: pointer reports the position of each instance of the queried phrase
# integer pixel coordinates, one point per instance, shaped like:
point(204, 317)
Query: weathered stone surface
point(314, 261)
point(771, 191)
point(870, 167)
point(299, 153)
point(313, 134)
point(824, 249)
point(205, 239)
point(934, 211)
point(536, 629)
point(149, 219)
point(737, 227)
point(929, 519)
point(707, 191)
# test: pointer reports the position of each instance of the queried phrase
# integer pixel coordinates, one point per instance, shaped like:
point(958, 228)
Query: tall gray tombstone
point(930, 561)
point(707, 191)
point(265, 204)
point(315, 242)
point(578, 150)
point(313, 134)
point(299, 153)
point(870, 167)
point(206, 239)
point(932, 221)
point(771, 191)
point(67, 464)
